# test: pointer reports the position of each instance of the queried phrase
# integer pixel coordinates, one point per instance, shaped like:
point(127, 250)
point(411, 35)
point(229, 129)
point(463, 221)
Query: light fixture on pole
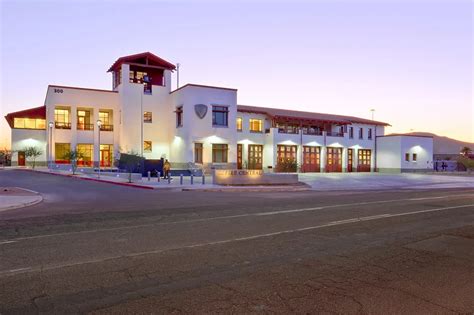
point(372, 111)
point(99, 125)
point(50, 147)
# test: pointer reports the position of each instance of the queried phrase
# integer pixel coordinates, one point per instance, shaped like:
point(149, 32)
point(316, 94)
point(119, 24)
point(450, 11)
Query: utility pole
point(372, 111)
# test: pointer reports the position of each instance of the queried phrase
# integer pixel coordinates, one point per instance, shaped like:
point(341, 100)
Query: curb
point(26, 204)
point(92, 179)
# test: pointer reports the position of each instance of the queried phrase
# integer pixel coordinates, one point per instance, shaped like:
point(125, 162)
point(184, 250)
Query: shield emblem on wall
point(201, 110)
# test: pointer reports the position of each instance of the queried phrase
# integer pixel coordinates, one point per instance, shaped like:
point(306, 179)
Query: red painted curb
point(91, 179)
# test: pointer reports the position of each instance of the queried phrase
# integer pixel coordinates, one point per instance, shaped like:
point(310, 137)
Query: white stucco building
point(196, 126)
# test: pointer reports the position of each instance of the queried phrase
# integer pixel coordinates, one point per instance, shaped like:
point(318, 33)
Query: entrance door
point(350, 159)
point(311, 159)
point(334, 160)
point(255, 156)
point(239, 156)
point(104, 158)
point(21, 158)
point(364, 160)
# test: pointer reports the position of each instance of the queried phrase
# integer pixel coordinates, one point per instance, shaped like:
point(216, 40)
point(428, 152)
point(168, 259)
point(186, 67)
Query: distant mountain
point(444, 145)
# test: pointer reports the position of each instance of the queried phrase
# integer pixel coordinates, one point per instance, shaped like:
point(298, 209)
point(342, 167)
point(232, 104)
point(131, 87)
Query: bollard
point(158, 176)
point(169, 179)
point(192, 179)
point(149, 175)
point(181, 179)
point(203, 179)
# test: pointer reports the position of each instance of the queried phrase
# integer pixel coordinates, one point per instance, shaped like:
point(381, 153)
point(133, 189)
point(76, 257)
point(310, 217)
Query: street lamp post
point(99, 125)
point(50, 147)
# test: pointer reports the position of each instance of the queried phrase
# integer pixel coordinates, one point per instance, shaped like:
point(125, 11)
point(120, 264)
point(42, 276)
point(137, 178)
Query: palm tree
point(465, 151)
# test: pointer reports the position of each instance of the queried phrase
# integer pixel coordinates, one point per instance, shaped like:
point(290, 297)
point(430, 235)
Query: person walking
point(166, 169)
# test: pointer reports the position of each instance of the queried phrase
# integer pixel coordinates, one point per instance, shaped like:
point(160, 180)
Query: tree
point(132, 162)
point(32, 153)
point(467, 162)
point(73, 156)
point(5, 157)
point(465, 151)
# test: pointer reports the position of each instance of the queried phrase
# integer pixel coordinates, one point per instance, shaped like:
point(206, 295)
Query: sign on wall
point(201, 110)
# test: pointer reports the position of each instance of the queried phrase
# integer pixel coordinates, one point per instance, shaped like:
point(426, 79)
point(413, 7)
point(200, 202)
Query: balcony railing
point(312, 132)
point(85, 126)
point(335, 134)
point(288, 130)
point(62, 125)
point(107, 128)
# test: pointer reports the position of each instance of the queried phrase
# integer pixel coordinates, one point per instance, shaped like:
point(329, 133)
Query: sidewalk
point(15, 197)
point(174, 184)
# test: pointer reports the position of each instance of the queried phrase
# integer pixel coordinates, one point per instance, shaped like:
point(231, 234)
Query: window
point(84, 120)
point(407, 157)
point(85, 151)
point(29, 123)
point(106, 119)
point(220, 116)
point(219, 153)
point(239, 123)
point(62, 118)
point(361, 133)
point(286, 153)
point(351, 132)
point(198, 153)
point(414, 156)
point(61, 151)
point(147, 117)
point(255, 125)
point(370, 133)
point(179, 116)
point(147, 147)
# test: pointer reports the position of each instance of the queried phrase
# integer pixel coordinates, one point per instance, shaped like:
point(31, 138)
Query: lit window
point(147, 117)
point(85, 151)
point(61, 152)
point(106, 120)
point(414, 156)
point(179, 116)
point(29, 123)
point(198, 153)
point(407, 157)
point(62, 118)
point(255, 125)
point(147, 146)
point(219, 153)
point(220, 116)
point(239, 123)
point(84, 120)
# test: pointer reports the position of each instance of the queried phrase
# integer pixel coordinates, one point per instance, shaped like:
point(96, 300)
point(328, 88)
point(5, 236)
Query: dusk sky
point(410, 61)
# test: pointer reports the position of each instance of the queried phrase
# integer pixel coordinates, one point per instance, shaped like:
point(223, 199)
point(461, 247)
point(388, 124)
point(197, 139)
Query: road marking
point(238, 239)
point(7, 242)
point(258, 214)
point(20, 270)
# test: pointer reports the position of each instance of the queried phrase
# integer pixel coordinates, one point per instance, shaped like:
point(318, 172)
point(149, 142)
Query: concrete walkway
point(15, 197)
point(372, 181)
point(310, 181)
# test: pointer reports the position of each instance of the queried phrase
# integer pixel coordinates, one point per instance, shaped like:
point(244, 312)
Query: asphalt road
point(106, 249)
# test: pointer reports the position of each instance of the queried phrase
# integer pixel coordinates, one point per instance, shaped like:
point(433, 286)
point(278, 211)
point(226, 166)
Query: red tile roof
point(151, 59)
point(307, 116)
point(37, 112)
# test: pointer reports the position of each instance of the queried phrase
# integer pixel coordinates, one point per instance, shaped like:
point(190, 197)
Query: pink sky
point(411, 61)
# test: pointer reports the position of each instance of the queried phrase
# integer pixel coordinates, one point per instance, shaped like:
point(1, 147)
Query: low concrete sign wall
point(252, 177)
